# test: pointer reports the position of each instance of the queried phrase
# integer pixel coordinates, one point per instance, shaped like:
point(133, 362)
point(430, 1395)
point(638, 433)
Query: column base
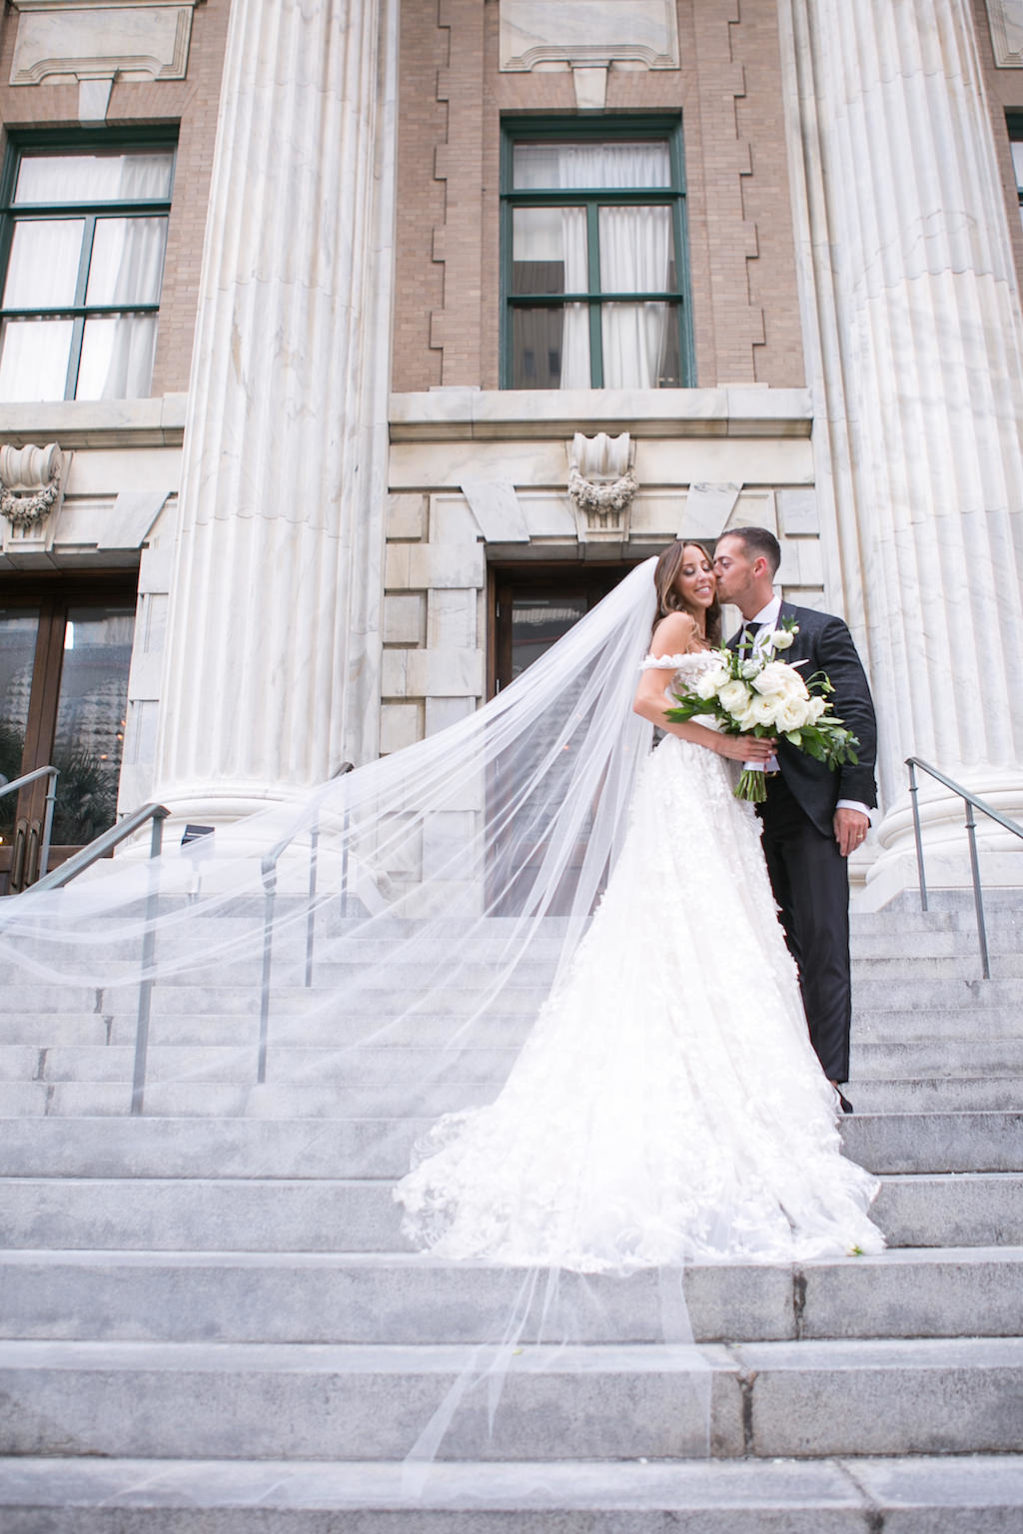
point(946, 846)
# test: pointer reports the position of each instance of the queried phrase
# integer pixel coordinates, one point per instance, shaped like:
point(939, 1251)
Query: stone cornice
point(97, 423)
point(459, 414)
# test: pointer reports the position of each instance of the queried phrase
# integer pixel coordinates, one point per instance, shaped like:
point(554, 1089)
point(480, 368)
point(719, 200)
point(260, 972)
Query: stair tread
point(864, 1484)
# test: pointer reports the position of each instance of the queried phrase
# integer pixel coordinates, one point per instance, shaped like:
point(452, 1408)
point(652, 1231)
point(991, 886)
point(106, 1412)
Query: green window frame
point(1014, 122)
point(664, 129)
point(78, 309)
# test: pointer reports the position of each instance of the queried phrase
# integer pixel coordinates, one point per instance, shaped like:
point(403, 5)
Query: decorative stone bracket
point(31, 484)
point(601, 485)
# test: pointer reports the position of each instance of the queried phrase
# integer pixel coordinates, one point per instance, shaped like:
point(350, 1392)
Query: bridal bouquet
point(748, 691)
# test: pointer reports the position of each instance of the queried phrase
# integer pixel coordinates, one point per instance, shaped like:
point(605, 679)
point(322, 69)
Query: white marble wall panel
point(424, 566)
point(442, 712)
point(140, 42)
point(588, 32)
point(496, 508)
point(406, 516)
point(400, 725)
point(451, 621)
point(548, 514)
point(1005, 19)
point(707, 509)
point(798, 515)
point(404, 619)
point(660, 461)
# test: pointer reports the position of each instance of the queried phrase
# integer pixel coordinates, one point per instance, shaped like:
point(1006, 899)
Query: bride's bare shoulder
point(674, 635)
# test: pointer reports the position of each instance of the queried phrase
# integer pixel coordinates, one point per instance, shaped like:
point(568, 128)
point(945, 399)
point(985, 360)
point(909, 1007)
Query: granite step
point(285, 1297)
point(358, 1215)
point(361, 1147)
point(961, 1494)
point(364, 1401)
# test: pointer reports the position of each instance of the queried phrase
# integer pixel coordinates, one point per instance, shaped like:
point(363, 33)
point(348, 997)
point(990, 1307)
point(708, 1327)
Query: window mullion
point(85, 259)
point(593, 283)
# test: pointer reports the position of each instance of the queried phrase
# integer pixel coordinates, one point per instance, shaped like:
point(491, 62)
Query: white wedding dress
point(667, 1106)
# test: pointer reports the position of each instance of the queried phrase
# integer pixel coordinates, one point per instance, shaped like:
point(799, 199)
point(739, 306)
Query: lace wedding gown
point(667, 1106)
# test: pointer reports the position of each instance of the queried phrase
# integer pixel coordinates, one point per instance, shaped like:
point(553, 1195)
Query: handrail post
point(51, 800)
point(270, 888)
point(310, 921)
point(138, 1084)
point(978, 899)
point(913, 790)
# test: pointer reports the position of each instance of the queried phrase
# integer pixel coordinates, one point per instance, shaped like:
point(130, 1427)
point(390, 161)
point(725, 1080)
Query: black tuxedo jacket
point(825, 644)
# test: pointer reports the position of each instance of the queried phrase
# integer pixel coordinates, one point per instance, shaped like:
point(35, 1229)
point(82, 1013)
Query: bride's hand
point(746, 748)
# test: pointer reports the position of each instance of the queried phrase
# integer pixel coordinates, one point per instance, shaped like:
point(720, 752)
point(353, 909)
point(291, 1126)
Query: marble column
point(273, 653)
point(913, 328)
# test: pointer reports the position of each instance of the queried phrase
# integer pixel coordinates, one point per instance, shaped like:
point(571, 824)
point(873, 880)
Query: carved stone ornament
point(1005, 18)
point(31, 484)
point(601, 485)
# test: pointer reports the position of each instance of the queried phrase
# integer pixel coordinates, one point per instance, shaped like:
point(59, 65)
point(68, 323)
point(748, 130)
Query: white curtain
point(126, 267)
point(635, 254)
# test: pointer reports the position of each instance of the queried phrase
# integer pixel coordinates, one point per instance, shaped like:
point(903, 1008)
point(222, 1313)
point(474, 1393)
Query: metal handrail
point(157, 813)
point(972, 802)
point(51, 798)
point(268, 874)
point(105, 843)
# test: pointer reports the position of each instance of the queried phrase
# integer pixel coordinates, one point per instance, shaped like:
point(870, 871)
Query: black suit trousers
point(810, 880)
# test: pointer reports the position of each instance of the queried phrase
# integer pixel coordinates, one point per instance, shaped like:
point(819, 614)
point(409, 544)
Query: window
point(65, 653)
point(82, 238)
point(594, 257)
point(1016, 145)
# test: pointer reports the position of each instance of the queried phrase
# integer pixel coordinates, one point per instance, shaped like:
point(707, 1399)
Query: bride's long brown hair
point(669, 600)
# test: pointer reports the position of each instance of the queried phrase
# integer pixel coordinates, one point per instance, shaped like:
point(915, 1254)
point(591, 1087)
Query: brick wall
point(192, 103)
point(452, 95)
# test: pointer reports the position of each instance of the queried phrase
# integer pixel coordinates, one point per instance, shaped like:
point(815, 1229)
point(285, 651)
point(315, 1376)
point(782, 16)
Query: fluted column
point(913, 325)
point(272, 673)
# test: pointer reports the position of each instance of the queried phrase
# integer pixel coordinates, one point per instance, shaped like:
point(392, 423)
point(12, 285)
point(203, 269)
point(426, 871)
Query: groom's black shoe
point(844, 1103)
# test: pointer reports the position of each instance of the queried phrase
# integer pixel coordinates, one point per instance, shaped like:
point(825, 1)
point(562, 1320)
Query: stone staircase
point(210, 1325)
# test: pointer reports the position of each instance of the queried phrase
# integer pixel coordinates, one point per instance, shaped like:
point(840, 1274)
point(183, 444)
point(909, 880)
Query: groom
point(813, 816)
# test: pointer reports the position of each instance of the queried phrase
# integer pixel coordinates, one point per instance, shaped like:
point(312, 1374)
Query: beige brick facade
point(744, 302)
point(190, 103)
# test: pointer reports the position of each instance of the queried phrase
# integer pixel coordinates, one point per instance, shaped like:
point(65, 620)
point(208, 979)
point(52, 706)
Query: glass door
point(531, 609)
point(64, 662)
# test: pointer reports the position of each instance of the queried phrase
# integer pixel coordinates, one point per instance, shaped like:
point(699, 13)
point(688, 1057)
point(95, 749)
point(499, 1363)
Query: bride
point(667, 1106)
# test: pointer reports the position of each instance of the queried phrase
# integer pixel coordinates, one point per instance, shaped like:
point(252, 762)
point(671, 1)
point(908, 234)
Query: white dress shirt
point(769, 616)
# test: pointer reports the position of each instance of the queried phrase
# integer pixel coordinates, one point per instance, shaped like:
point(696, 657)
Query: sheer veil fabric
point(427, 923)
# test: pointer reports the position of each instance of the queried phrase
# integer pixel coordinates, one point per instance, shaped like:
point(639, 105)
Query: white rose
point(735, 696)
point(708, 684)
point(793, 714)
point(778, 680)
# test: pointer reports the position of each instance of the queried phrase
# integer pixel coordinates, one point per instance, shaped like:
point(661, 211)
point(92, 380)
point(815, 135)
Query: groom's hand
point(850, 829)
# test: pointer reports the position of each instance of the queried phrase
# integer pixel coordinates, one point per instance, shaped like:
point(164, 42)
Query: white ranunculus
point(735, 697)
point(780, 639)
point(749, 668)
point(818, 706)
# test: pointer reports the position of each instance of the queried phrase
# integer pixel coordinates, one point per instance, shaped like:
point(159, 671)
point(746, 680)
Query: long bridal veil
point(376, 951)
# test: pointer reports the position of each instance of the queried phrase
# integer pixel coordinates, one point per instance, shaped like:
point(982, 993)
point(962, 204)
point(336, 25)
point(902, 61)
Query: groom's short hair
point(757, 541)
